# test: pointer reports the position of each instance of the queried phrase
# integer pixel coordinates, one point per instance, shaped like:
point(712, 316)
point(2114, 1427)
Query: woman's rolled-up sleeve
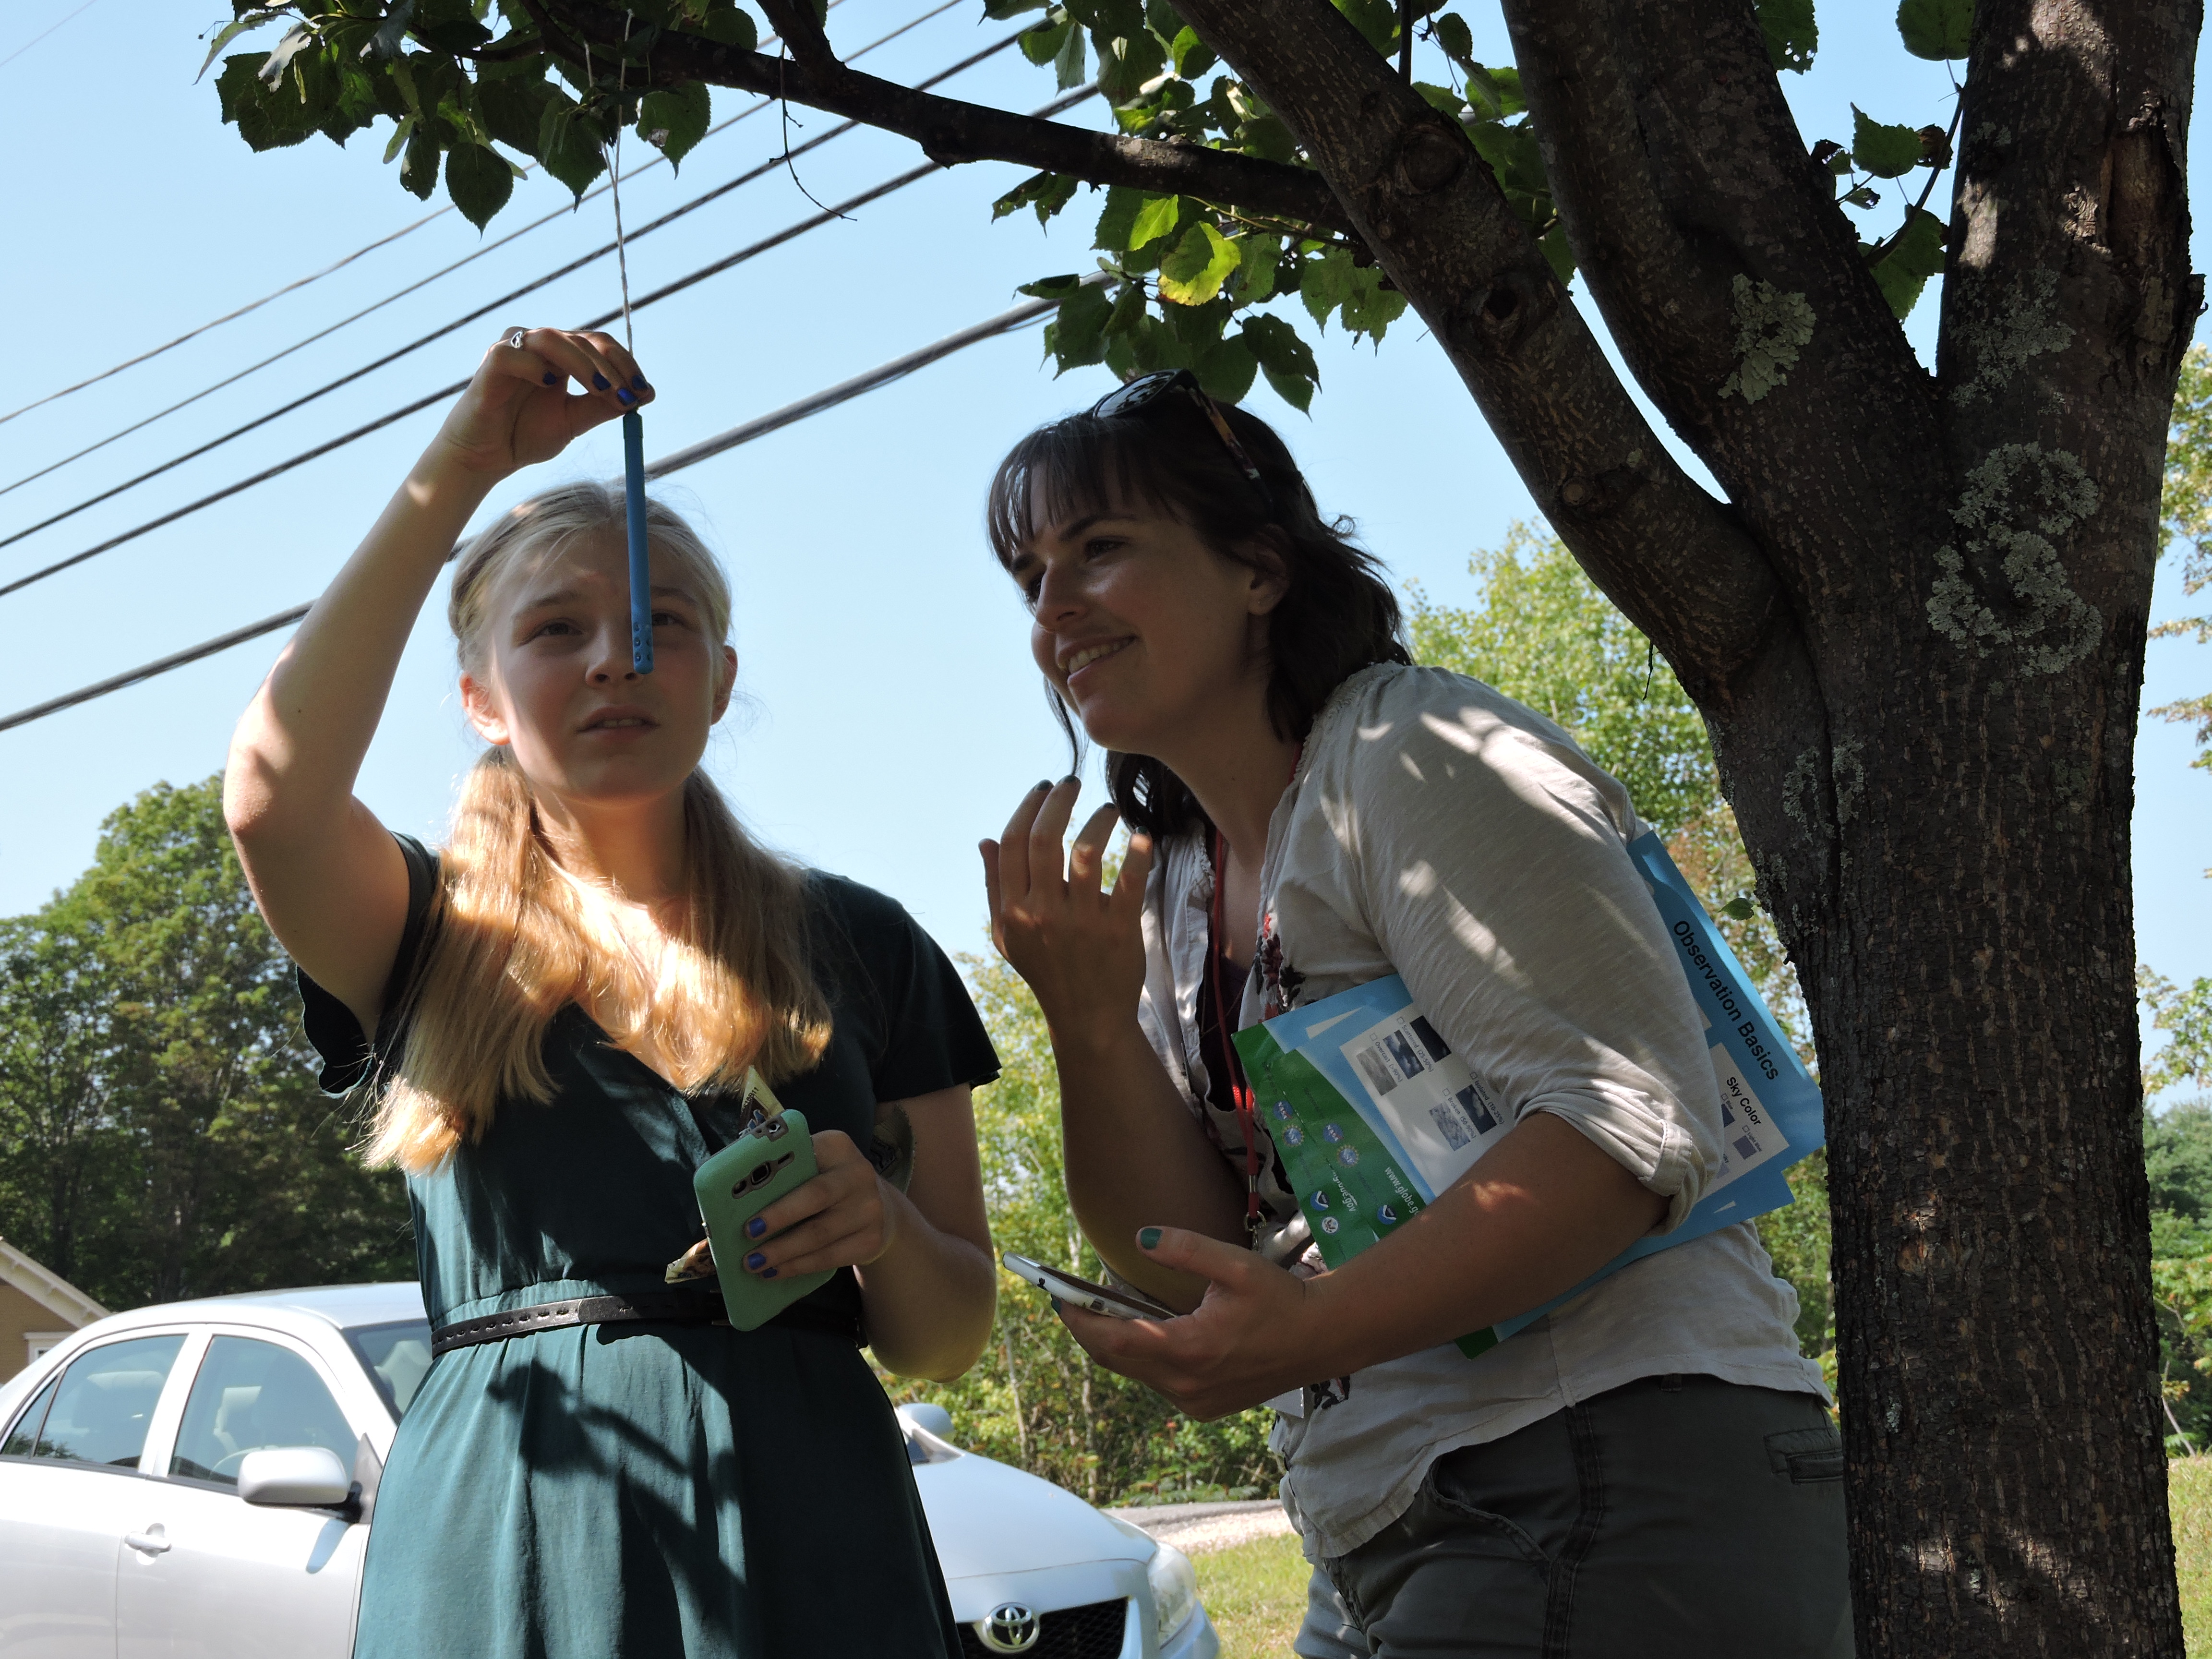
point(1493, 869)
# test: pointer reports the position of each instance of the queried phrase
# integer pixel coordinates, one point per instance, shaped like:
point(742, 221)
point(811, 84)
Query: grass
point(2189, 1492)
point(1256, 1594)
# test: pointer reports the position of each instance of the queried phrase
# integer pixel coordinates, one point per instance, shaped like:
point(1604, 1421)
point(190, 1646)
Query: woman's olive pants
point(1676, 1517)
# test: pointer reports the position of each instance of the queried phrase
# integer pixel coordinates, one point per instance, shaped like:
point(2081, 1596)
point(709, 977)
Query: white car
point(200, 1478)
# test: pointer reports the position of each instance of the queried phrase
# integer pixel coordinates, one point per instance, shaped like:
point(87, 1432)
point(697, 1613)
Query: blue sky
point(893, 717)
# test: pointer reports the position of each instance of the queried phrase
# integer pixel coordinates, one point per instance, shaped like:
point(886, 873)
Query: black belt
point(647, 1307)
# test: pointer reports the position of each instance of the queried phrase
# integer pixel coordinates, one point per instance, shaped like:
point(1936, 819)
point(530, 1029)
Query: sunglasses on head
point(1149, 393)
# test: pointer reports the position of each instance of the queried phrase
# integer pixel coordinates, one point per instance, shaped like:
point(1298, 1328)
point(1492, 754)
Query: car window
point(101, 1404)
point(397, 1358)
point(25, 1435)
point(250, 1396)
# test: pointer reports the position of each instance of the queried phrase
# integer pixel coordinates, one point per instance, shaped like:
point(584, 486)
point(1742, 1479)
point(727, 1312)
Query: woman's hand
point(1258, 1333)
point(1081, 949)
point(840, 1218)
point(517, 411)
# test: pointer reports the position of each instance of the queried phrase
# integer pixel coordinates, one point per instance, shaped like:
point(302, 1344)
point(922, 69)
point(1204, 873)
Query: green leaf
point(1371, 308)
point(1077, 336)
point(1042, 43)
point(1054, 288)
point(1284, 358)
point(999, 10)
point(1512, 156)
point(1442, 99)
point(1937, 29)
point(1047, 193)
point(478, 181)
point(1914, 255)
point(1255, 269)
point(1376, 20)
point(674, 119)
point(731, 26)
point(1226, 369)
point(232, 30)
point(1453, 34)
point(266, 118)
point(400, 134)
point(1885, 151)
point(1201, 262)
point(1792, 37)
point(568, 145)
point(1156, 218)
point(1126, 62)
point(1188, 54)
point(1741, 906)
point(1117, 218)
point(1561, 258)
point(418, 171)
point(1128, 310)
point(513, 111)
point(1265, 136)
point(1068, 70)
point(1326, 283)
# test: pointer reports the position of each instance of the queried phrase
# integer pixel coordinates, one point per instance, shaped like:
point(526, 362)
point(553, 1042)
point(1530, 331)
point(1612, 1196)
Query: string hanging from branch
point(633, 425)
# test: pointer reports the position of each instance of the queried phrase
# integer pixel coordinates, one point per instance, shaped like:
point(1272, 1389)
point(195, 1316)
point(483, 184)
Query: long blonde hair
point(509, 945)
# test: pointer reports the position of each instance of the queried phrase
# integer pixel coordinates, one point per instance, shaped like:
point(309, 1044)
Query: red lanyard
point(1240, 1091)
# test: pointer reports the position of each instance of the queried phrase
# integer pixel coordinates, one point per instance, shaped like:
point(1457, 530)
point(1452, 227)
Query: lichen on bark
point(1999, 344)
point(1771, 327)
point(2015, 503)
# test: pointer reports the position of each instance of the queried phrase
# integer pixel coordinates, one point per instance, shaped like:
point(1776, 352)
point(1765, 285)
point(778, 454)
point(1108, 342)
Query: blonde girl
point(551, 1016)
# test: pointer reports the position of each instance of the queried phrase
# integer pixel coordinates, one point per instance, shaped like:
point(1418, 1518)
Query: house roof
point(48, 1289)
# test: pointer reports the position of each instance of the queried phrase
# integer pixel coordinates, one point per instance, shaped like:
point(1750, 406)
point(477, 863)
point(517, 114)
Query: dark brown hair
point(1337, 614)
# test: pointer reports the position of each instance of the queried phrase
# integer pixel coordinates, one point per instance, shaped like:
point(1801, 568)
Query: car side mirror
point(929, 1417)
point(294, 1476)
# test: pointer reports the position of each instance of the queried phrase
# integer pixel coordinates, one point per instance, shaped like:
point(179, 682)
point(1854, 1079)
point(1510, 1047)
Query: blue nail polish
point(756, 1261)
point(638, 381)
point(601, 381)
point(755, 1227)
point(552, 379)
point(626, 397)
point(770, 1273)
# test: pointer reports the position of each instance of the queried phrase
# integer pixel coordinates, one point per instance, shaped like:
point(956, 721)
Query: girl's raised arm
point(327, 876)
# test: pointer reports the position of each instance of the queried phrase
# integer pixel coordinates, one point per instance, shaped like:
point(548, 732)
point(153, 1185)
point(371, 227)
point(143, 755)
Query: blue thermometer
point(640, 569)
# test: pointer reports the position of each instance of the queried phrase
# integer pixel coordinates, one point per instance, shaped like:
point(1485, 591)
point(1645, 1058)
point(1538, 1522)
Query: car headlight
point(1174, 1590)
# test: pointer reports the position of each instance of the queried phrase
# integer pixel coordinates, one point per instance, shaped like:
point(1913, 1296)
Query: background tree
point(1913, 619)
point(160, 1133)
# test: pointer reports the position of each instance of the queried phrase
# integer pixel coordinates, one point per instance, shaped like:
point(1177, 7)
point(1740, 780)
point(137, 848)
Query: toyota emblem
point(1011, 1628)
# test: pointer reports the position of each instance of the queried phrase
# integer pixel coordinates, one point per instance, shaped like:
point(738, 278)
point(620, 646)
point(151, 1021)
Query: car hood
point(986, 1517)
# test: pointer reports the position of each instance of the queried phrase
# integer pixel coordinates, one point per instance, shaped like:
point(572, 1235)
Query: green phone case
point(738, 1183)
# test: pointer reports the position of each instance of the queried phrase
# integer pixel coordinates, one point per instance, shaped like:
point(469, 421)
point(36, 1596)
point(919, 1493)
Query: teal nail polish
point(1148, 1237)
point(1055, 1304)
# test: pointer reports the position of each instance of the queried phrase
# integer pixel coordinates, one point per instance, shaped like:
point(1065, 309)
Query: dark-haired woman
point(1648, 1470)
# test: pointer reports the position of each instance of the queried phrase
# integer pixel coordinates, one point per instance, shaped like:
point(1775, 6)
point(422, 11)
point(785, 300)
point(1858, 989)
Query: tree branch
point(1674, 560)
point(1687, 189)
point(951, 131)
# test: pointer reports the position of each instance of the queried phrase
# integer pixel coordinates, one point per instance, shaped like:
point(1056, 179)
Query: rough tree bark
point(1915, 627)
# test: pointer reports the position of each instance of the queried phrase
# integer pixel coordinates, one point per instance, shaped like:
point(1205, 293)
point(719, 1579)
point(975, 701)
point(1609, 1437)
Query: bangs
point(1075, 466)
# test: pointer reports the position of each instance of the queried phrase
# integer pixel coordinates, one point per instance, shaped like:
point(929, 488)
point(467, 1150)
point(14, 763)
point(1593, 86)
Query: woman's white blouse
point(1439, 831)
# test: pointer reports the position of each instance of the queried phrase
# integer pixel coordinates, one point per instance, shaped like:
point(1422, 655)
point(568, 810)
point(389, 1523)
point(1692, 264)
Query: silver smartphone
point(1082, 1293)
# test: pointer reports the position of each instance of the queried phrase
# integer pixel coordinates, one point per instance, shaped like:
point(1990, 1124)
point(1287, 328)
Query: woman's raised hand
point(1081, 948)
point(518, 409)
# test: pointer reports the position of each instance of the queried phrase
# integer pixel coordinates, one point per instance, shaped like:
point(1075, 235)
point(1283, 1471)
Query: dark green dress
point(616, 1492)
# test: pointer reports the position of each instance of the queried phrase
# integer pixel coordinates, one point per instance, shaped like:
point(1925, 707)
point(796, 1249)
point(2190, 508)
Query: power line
point(754, 251)
point(44, 33)
point(844, 392)
point(340, 265)
point(389, 299)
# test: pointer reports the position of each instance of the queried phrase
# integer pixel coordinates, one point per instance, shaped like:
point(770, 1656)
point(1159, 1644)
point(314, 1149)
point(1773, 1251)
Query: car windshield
point(397, 1358)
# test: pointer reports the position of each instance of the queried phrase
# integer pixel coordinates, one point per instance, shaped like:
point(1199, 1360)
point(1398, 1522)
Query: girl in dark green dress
point(552, 1017)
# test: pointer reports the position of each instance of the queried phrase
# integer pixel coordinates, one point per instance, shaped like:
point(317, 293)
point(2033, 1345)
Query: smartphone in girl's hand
point(1082, 1293)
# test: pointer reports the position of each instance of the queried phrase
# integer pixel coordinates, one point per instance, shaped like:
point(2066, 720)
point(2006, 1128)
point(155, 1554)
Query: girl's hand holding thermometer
point(517, 411)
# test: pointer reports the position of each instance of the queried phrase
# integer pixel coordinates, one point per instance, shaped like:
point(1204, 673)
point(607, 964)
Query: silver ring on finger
point(515, 337)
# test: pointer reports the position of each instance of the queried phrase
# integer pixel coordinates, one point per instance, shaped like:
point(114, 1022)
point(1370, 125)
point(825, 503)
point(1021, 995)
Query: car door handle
point(148, 1543)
